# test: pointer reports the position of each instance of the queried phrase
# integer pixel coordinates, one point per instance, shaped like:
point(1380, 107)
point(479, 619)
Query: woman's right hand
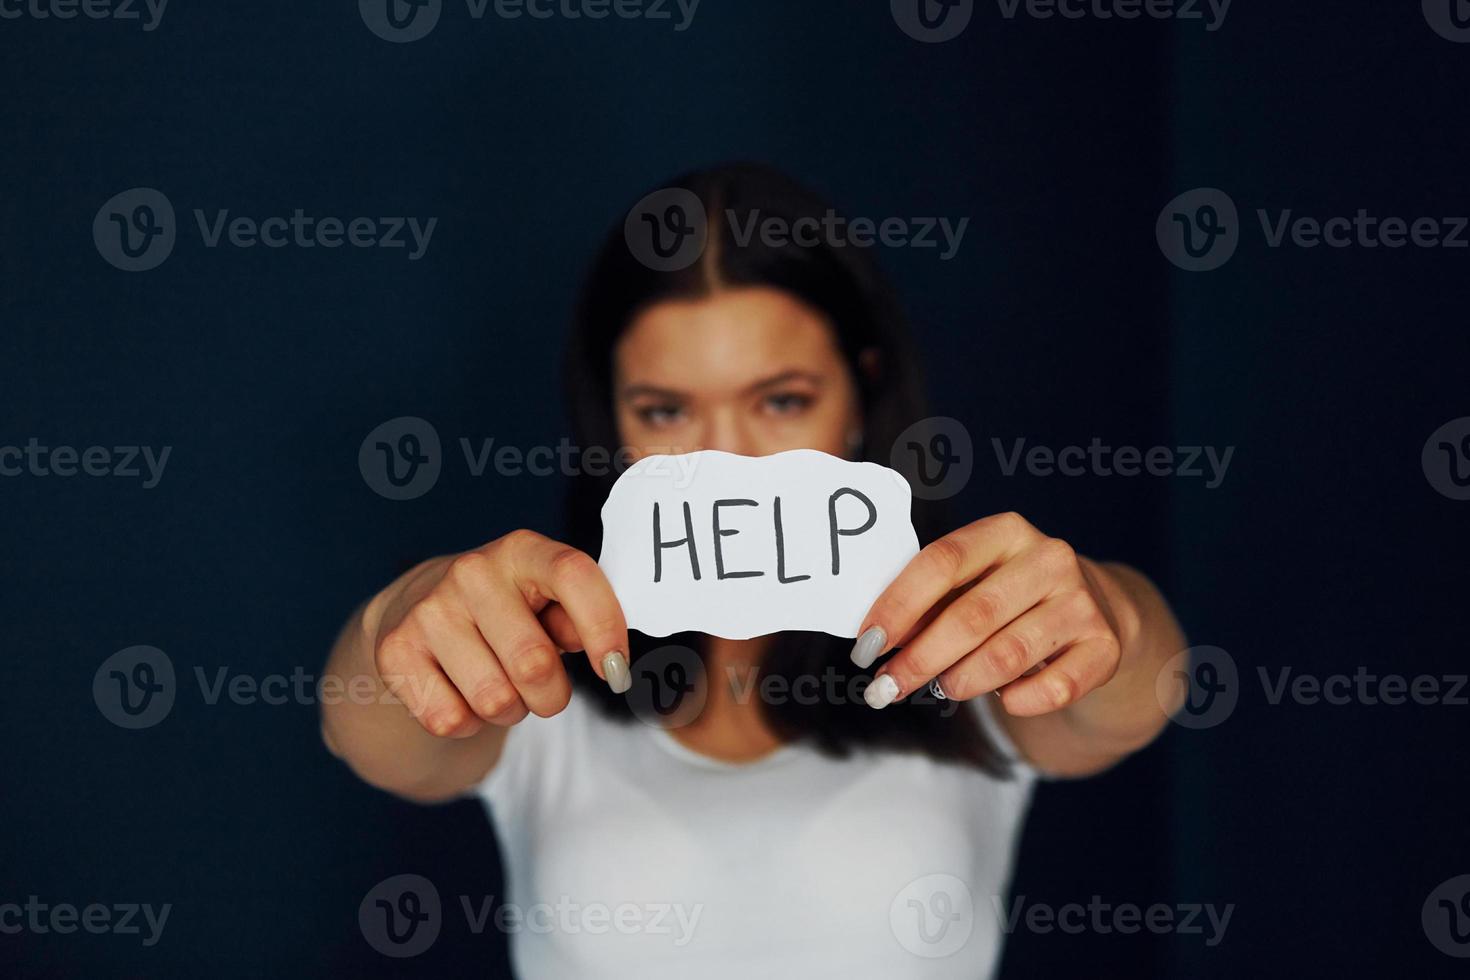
point(477, 638)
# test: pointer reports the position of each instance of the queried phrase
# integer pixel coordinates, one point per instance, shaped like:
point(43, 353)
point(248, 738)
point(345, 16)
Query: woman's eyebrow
point(634, 391)
point(793, 375)
point(654, 391)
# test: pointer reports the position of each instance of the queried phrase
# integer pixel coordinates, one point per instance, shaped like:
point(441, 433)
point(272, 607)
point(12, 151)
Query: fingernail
point(881, 692)
point(868, 646)
point(615, 668)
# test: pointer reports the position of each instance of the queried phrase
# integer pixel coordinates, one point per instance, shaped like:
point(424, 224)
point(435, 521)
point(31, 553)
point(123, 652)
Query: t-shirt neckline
point(679, 750)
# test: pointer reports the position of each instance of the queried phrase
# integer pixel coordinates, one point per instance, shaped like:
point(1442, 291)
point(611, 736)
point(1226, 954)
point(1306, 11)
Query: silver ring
point(937, 690)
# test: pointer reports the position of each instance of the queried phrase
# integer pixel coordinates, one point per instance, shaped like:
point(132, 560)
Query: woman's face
point(749, 371)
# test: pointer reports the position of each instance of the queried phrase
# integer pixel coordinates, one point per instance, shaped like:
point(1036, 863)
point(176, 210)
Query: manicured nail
point(881, 692)
point(615, 668)
point(868, 646)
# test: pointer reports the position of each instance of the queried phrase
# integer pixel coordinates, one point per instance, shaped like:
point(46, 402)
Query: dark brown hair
point(845, 285)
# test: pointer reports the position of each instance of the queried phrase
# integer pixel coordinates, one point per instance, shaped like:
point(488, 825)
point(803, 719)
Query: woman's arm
point(1071, 647)
point(438, 665)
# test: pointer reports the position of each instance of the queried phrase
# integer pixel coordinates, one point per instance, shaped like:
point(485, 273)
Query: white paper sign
point(742, 546)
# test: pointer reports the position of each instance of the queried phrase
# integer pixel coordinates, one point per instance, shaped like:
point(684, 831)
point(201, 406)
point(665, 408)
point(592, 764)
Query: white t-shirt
point(627, 854)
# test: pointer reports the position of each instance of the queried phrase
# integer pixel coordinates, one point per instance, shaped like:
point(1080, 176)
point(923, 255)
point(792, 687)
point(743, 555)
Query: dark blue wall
point(1058, 321)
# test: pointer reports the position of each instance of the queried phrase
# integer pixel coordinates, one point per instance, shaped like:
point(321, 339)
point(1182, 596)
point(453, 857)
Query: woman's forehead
point(732, 339)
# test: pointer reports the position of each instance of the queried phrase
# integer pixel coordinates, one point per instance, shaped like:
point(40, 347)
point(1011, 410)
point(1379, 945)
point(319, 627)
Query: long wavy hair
point(846, 286)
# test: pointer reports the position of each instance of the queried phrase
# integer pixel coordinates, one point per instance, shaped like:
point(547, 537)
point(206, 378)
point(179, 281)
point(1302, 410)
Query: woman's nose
point(728, 435)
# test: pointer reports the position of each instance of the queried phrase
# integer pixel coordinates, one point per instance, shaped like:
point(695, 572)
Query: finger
point(549, 570)
point(940, 567)
point(467, 659)
point(512, 662)
point(1022, 646)
point(558, 625)
point(410, 673)
point(1083, 667)
point(983, 611)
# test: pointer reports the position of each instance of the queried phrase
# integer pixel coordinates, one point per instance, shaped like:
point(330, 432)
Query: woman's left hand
point(997, 606)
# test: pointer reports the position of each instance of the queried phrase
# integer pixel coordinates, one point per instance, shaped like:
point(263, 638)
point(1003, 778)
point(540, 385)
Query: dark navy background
point(1325, 548)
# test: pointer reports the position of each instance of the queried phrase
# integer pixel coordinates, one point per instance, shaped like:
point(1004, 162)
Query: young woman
point(841, 835)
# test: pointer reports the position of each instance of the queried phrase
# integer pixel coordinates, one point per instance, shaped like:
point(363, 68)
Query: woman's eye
point(789, 403)
point(659, 414)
